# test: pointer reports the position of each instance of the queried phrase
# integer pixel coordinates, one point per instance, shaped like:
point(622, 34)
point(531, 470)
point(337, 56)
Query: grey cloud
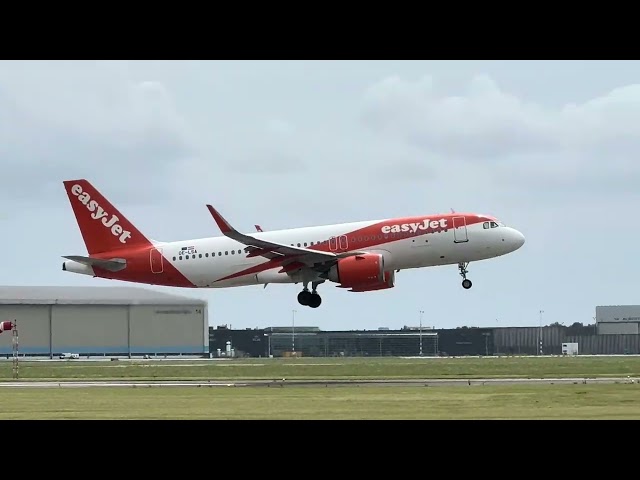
point(591, 147)
point(272, 163)
point(549, 183)
point(280, 126)
point(483, 123)
point(487, 122)
point(406, 169)
point(87, 120)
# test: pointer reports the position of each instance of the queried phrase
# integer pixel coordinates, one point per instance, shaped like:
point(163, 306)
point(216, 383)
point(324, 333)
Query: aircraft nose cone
point(518, 239)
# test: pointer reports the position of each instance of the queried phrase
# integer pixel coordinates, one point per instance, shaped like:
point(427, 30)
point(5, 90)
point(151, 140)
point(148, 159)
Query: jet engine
point(362, 273)
point(388, 282)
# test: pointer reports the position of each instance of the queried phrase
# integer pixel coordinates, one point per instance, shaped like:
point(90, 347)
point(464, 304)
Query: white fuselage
point(208, 262)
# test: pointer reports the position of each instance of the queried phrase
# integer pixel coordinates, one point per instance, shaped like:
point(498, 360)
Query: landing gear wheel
point(310, 298)
point(466, 284)
point(304, 297)
point(315, 300)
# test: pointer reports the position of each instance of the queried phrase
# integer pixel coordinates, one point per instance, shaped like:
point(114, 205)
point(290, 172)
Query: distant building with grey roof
point(98, 321)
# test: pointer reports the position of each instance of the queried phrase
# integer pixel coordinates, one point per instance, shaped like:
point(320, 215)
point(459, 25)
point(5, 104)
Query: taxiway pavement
point(426, 382)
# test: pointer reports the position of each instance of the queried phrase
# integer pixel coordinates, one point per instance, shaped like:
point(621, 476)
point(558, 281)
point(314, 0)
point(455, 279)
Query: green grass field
point(612, 401)
point(575, 401)
point(328, 368)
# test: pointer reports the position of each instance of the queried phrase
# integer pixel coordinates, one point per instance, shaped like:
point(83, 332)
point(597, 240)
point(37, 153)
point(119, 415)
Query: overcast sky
point(551, 148)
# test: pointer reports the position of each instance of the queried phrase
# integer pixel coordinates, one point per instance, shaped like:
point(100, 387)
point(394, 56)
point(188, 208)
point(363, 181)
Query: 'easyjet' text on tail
point(98, 213)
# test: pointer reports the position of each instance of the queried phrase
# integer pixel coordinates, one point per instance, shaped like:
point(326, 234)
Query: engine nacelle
point(388, 282)
point(358, 270)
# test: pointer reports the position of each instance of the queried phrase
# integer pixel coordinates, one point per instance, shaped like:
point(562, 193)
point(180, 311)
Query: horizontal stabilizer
point(112, 264)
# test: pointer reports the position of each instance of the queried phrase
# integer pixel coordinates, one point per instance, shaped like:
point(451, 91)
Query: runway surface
point(319, 383)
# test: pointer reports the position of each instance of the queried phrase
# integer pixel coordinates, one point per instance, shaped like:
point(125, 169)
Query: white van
point(69, 355)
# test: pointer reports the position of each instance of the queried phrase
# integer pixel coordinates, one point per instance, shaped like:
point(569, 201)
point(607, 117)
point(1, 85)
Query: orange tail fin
point(102, 226)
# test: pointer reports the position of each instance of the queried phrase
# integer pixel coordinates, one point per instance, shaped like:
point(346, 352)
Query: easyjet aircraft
point(360, 256)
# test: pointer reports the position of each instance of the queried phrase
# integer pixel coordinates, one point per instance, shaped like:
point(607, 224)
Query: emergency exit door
point(460, 230)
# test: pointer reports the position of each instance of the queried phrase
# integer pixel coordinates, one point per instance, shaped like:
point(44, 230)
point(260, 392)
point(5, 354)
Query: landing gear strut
point(466, 283)
point(310, 298)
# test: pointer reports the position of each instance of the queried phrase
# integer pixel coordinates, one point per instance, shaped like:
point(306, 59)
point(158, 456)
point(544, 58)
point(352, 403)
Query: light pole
point(421, 312)
point(268, 343)
point(540, 334)
point(293, 331)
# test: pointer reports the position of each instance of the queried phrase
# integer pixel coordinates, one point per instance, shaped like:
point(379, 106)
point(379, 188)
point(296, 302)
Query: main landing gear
point(310, 298)
point(466, 283)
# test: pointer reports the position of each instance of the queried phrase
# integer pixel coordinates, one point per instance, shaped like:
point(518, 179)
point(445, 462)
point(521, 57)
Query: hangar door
point(169, 329)
point(90, 329)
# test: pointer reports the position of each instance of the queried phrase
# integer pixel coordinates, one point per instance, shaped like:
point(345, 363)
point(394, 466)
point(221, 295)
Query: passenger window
point(187, 257)
point(174, 259)
point(219, 254)
point(200, 255)
point(180, 257)
point(227, 252)
point(233, 252)
point(206, 255)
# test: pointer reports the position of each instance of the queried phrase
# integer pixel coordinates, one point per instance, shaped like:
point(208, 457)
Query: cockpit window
point(485, 225)
point(494, 224)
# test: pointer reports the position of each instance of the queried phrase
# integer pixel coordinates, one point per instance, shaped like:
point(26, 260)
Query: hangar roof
point(50, 295)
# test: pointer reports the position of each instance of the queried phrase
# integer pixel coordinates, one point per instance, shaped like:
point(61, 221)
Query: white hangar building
point(618, 319)
point(102, 321)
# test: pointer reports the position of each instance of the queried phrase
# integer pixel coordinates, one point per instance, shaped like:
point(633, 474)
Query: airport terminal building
point(94, 321)
point(552, 339)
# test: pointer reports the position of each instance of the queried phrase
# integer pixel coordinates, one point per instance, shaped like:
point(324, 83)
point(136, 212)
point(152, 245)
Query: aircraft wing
point(271, 250)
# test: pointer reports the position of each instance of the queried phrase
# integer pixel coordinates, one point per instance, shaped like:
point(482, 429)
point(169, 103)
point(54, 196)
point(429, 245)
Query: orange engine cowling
point(361, 272)
point(388, 282)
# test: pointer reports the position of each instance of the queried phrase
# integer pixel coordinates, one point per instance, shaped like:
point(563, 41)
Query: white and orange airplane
point(361, 256)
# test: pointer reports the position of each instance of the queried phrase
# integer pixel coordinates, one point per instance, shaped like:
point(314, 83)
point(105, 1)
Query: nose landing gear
point(466, 283)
